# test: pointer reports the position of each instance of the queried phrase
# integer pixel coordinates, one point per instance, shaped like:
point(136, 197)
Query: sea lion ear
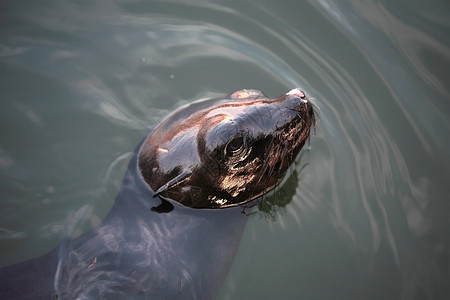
point(247, 94)
point(174, 182)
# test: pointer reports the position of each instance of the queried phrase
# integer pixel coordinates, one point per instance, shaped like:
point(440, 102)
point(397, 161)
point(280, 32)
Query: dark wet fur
point(281, 153)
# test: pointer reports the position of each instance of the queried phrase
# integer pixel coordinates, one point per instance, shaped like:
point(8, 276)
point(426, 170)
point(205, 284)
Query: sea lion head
point(227, 151)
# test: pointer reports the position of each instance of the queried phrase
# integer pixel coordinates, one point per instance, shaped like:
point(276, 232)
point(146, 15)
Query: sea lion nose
point(296, 100)
point(298, 93)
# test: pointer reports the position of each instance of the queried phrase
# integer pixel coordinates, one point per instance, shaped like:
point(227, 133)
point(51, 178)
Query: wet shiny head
point(226, 151)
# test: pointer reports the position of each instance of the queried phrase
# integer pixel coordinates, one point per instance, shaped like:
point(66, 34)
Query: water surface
point(369, 216)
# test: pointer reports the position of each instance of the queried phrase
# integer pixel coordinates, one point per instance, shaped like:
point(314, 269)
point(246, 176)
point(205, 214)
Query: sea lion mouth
point(228, 151)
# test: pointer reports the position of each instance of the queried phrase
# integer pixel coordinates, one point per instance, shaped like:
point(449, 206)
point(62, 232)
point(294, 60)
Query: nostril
point(297, 92)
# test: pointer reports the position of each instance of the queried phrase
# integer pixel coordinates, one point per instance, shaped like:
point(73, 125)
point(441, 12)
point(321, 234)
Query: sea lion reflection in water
point(167, 236)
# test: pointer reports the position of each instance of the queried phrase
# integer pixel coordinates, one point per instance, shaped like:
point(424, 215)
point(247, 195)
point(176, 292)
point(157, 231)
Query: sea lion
point(177, 220)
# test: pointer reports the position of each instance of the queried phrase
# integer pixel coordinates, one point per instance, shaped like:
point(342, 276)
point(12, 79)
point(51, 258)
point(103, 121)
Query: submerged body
point(156, 243)
point(136, 253)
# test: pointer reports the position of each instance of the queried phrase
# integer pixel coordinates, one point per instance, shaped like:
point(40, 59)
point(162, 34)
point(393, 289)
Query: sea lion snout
point(297, 92)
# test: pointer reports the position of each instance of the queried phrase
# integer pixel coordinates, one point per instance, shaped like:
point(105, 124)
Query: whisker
point(283, 157)
point(263, 169)
point(314, 104)
point(274, 159)
point(285, 150)
point(266, 161)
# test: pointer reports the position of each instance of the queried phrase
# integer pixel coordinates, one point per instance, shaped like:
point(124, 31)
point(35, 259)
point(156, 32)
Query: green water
point(82, 82)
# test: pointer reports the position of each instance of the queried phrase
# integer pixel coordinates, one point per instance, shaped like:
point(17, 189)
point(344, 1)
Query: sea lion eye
point(235, 146)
